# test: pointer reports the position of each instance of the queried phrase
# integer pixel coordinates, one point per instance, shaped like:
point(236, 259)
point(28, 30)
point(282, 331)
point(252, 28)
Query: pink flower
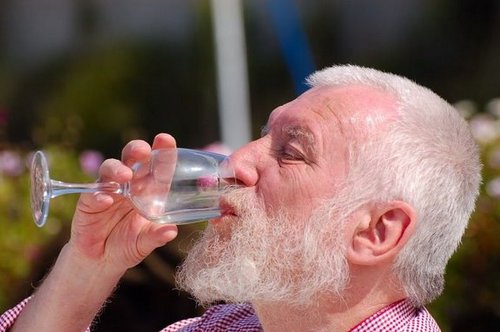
point(493, 188)
point(90, 160)
point(484, 128)
point(11, 163)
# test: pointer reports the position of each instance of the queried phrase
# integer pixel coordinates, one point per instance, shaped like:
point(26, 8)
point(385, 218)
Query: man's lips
point(226, 209)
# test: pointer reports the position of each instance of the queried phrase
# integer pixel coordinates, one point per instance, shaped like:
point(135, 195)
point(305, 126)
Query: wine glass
point(175, 186)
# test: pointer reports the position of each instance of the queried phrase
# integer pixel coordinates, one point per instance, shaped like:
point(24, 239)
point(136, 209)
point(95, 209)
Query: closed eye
point(290, 155)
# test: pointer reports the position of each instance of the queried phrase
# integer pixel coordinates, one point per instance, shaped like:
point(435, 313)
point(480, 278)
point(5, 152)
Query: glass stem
point(59, 188)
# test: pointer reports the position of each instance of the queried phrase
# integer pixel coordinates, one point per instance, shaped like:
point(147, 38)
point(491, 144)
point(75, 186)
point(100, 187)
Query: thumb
point(156, 235)
point(94, 203)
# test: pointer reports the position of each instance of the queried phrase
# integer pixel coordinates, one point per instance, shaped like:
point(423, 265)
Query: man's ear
point(380, 232)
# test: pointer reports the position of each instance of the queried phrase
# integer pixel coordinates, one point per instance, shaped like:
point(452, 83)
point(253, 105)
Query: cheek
point(290, 193)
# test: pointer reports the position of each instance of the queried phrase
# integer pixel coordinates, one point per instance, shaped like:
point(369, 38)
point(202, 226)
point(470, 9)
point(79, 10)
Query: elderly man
point(352, 202)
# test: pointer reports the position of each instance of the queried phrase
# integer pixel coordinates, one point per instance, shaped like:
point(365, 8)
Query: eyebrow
point(302, 134)
point(306, 138)
point(293, 131)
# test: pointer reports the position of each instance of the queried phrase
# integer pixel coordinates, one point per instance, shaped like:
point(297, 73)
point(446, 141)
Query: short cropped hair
point(427, 158)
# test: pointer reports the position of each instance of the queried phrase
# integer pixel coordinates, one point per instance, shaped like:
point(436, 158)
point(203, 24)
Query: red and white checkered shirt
point(399, 316)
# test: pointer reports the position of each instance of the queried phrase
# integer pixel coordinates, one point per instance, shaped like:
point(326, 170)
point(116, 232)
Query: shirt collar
point(391, 318)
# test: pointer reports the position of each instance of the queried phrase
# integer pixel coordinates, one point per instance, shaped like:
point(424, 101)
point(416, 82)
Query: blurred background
point(79, 78)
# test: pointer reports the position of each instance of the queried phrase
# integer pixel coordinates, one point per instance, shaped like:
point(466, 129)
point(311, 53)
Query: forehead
point(356, 111)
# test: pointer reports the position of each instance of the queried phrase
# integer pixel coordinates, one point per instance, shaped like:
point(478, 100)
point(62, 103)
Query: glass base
point(40, 188)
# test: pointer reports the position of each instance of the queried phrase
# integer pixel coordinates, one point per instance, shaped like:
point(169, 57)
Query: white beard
point(260, 259)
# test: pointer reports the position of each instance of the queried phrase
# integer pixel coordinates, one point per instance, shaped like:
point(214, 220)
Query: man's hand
point(107, 227)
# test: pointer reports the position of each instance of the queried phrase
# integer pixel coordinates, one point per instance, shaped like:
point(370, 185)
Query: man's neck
point(326, 315)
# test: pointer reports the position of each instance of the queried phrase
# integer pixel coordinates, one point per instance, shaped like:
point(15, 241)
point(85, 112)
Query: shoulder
point(225, 317)
point(422, 321)
point(399, 316)
point(8, 318)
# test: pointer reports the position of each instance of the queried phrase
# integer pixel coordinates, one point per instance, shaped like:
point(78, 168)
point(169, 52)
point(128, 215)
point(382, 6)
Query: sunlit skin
point(302, 156)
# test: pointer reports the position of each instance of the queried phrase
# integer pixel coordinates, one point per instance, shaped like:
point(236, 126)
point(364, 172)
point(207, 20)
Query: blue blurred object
point(293, 41)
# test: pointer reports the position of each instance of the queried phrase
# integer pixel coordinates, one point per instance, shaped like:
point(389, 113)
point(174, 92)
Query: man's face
point(302, 157)
point(276, 236)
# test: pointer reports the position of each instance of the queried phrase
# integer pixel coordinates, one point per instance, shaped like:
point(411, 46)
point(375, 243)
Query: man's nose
point(244, 162)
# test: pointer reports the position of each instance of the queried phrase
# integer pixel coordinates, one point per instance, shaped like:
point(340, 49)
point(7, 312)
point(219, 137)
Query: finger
point(164, 141)
point(154, 236)
point(164, 167)
point(114, 170)
point(136, 151)
point(165, 160)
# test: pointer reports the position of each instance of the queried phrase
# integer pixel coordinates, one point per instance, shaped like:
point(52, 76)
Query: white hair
point(429, 159)
point(265, 260)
